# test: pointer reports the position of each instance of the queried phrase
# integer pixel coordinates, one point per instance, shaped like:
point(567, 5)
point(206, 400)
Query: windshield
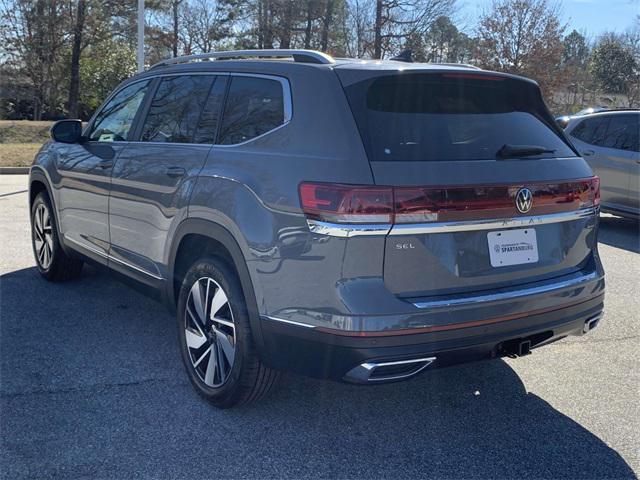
point(439, 117)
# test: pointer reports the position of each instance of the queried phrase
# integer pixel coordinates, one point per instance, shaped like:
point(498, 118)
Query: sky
point(592, 16)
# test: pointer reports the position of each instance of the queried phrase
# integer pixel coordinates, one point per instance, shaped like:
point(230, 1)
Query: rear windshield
point(440, 117)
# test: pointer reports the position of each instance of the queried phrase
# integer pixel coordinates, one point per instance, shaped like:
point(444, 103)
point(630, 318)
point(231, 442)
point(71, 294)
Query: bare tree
point(523, 37)
point(396, 20)
point(204, 23)
point(35, 33)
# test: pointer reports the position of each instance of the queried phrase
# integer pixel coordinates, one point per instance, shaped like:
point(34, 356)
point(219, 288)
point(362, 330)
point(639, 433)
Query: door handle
point(105, 164)
point(588, 153)
point(175, 172)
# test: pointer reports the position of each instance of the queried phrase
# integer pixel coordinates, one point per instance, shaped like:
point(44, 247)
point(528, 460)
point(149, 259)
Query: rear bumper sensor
point(370, 372)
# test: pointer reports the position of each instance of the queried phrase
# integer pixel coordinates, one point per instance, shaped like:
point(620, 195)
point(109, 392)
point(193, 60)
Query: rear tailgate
point(461, 230)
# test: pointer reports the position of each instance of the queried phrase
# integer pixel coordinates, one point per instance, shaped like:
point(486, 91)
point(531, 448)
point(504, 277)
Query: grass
point(20, 141)
point(18, 154)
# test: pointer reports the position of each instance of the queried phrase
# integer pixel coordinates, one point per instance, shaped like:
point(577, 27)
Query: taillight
point(339, 203)
point(347, 203)
point(595, 190)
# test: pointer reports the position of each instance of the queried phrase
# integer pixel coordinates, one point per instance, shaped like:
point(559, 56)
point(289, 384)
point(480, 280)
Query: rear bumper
point(340, 355)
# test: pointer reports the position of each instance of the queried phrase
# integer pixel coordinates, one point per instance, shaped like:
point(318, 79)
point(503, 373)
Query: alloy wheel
point(43, 236)
point(210, 332)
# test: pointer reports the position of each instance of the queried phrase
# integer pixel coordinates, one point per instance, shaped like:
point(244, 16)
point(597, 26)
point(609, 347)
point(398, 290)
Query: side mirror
point(67, 131)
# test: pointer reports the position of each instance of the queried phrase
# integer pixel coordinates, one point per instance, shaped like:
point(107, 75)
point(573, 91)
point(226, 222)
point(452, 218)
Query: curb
point(14, 170)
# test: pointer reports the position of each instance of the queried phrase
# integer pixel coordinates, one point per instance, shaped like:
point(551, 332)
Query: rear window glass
point(430, 117)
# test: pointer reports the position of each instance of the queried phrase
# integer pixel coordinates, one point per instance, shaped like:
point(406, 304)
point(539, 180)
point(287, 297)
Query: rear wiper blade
point(511, 151)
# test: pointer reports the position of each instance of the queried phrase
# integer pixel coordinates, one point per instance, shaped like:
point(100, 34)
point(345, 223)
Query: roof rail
point(302, 56)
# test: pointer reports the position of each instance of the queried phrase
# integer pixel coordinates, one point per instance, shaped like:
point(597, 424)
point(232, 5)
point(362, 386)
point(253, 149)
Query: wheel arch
point(38, 183)
point(192, 239)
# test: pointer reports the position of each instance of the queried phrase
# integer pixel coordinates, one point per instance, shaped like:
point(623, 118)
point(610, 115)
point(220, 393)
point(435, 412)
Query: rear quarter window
point(255, 106)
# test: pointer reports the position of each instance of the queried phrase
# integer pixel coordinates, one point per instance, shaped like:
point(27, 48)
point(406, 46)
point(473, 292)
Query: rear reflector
point(338, 203)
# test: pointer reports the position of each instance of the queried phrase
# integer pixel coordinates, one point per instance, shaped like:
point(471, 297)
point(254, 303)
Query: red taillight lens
point(369, 204)
point(347, 203)
point(595, 190)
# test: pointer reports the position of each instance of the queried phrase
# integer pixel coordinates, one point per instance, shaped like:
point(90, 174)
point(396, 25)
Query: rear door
point(594, 137)
point(620, 147)
point(470, 143)
point(154, 176)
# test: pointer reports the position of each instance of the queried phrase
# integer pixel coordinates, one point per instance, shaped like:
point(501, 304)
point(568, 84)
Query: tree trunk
point(175, 5)
point(377, 39)
point(307, 30)
point(284, 29)
point(74, 84)
point(326, 26)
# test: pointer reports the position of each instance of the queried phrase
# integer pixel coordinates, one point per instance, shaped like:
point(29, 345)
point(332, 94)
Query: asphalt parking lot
point(91, 385)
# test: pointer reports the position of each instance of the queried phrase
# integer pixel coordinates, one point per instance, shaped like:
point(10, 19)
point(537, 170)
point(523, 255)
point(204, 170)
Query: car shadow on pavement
point(91, 385)
point(620, 233)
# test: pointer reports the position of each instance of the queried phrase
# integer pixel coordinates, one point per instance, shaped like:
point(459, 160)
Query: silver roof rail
point(303, 56)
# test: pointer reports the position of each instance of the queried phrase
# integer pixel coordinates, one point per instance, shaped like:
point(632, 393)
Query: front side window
point(254, 106)
point(591, 130)
point(114, 121)
point(176, 107)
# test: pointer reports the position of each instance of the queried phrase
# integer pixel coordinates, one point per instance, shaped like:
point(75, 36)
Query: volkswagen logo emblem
point(524, 200)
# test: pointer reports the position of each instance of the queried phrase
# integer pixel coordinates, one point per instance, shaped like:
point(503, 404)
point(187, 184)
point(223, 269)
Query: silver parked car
point(608, 141)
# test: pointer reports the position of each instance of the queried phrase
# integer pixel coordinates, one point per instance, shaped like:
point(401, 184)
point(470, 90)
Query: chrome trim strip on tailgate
point(490, 224)
point(344, 230)
point(509, 295)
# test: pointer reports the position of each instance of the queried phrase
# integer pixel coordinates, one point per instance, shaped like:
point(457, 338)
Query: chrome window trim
point(344, 230)
point(286, 100)
point(510, 295)
point(354, 230)
point(490, 224)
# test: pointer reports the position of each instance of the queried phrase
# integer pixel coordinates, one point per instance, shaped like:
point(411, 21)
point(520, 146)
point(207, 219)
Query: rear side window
point(622, 132)
point(440, 117)
point(255, 105)
point(175, 109)
point(114, 121)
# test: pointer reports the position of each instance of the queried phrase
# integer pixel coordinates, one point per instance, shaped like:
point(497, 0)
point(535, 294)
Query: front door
point(85, 173)
point(154, 176)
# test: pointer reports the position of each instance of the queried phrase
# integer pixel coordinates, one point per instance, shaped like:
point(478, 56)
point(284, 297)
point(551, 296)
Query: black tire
point(58, 266)
point(247, 379)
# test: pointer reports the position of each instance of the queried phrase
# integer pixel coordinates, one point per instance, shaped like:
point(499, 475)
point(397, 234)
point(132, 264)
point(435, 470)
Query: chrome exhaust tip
point(591, 323)
point(370, 372)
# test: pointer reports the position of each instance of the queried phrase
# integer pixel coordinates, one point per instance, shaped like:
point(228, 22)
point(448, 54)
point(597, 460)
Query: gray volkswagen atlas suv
point(355, 220)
